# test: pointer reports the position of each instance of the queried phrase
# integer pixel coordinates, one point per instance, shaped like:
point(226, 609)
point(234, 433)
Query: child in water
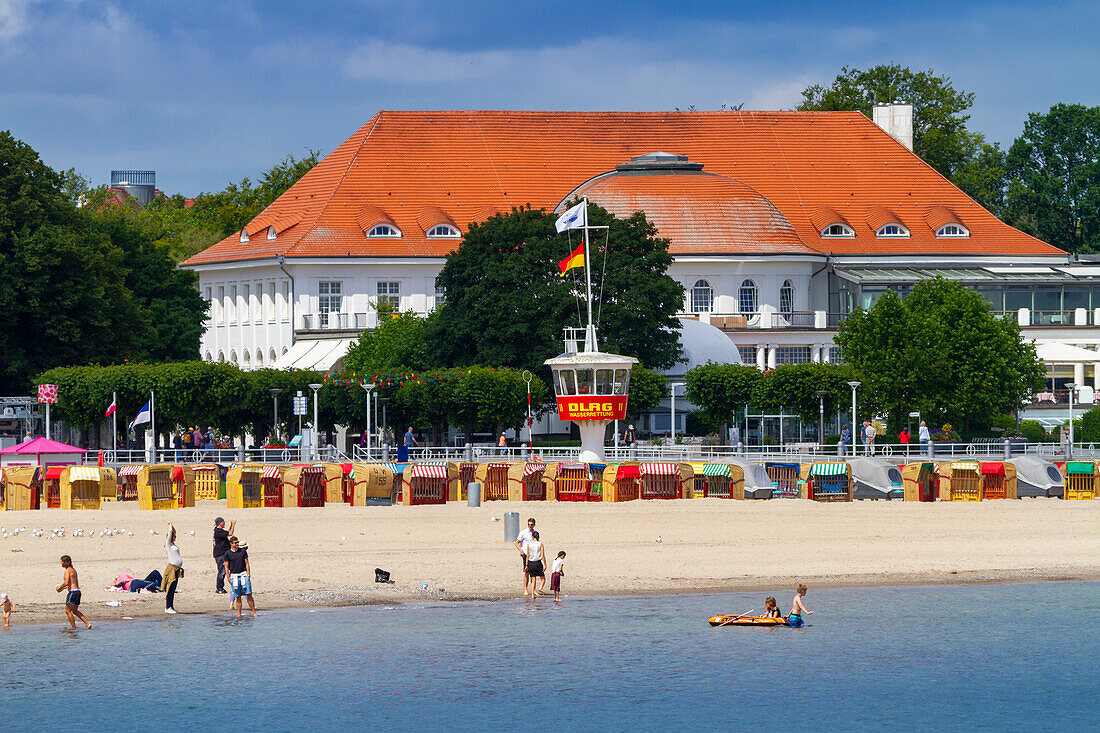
point(771, 609)
point(557, 571)
point(797, 609)
point(7, 607)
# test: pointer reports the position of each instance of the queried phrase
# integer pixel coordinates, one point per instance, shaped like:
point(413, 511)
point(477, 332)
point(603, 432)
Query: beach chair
point(429, 482)
point(374, 484)
point(830, 481)
point(960, 481)
point(784, 478)
point(1081, 480)
point(525, 481)
point(919, 481)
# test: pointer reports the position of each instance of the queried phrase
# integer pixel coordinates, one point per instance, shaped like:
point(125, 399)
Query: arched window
point(384, 230)
point(443, 231)
point(271, 357)
point(746, 297)
point(221, 357)
point(952, 230)
point(209, 356)
point(259, 358)
point(786, 298)
point(702, 297)
point(271, 234)
point(837, 230)
point(244, 236)
point(892, 230)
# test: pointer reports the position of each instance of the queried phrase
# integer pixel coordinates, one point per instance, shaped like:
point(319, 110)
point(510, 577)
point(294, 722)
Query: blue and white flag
point(144, 415)
point(574, 218)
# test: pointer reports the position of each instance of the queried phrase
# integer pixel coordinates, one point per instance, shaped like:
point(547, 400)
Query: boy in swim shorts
point(797, 609)
point(72, 601)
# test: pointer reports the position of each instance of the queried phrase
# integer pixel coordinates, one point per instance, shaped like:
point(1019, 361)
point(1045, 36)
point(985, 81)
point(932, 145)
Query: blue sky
point(208, 92)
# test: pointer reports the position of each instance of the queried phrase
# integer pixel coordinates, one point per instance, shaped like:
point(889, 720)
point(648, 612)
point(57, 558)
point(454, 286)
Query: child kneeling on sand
point(797, 609)
point(557, 570)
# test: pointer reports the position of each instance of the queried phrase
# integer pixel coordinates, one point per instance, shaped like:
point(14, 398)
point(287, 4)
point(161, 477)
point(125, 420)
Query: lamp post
point(527, 377)
point(1071, 386)
point(672, 391)
point(275, 425)
point(368, 386)
point(854, 385)
point(821, 420)
point(316, 429)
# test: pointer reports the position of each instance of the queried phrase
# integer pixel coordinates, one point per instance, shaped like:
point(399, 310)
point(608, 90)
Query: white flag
point(572, 219)
point(143, 416)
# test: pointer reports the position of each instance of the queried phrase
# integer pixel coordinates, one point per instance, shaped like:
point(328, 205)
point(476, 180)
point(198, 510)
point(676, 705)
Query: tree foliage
point(647, 388)
point(721, 390)
point(1054, 177)
point(942, 352)
point(506, 303)
point(399, 343)
point(795, 387)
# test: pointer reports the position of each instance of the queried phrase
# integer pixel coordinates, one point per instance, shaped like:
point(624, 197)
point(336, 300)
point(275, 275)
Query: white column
point(761, 357)
point(1096, 376)
point(771, 355)
point(1078, 374)
point(825, 357)
point(815, 353)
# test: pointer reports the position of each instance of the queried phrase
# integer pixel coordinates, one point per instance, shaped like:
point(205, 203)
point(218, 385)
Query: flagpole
point(590, 331)
point(114, 423)
point(153, 422)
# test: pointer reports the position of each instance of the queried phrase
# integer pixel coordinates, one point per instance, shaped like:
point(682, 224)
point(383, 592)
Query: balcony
point(767, 318)
point(335, 324)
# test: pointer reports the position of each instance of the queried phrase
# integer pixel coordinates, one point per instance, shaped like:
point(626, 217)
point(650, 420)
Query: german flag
point(574, 260)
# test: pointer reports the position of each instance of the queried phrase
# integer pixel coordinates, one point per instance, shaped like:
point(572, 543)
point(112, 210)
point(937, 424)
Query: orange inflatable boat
point(735, 620)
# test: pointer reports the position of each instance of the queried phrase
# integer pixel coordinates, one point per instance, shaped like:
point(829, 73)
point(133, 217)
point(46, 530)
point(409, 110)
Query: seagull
point(343, 538)
point(152, 531)
point(191, 533)
point(131, 534)
point(658, 538)
point(494, 519)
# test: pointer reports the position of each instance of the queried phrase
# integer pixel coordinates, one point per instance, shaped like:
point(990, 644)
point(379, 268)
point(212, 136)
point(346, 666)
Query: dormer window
point(244, 236)
point(837, 230)
point(443, 231)
point(892, 230)
point(271, 234)
point(384, 230)
point(952, 230)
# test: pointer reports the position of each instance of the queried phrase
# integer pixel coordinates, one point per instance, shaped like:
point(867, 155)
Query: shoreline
point(38, 616)
point(325, 557)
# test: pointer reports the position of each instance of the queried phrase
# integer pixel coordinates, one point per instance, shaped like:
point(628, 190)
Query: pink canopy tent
point(41, 451)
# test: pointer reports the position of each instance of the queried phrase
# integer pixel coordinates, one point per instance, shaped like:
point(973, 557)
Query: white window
point(440, 295)
point(269, 304)
point(221, 304)
point(792, 354)
point(233, 305)
point(389, 293)
point(384, 230)
point(244, 236)
point(270, 238)
point(208, 297)
point(284, 306)
point(892, 230)
point(952, 230)
point(443, 231)
point(786, 299)
point(329, 299)
point(246, 311)
point(748, 354)
point(835, 356)
point(837, 230)
point(702, 297)
point(746, 297)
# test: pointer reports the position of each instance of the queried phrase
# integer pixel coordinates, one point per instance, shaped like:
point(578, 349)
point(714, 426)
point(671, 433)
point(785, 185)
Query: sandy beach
point(327, 557)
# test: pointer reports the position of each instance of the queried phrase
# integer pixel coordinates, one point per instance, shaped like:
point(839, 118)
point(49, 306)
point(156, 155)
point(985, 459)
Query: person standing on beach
point(557, 572)
point(221, 546)
point(239, 571)
point(71, 583)
point(7, 607)
point(173, 571)
point(923, 436)
point(535, 558)
point(522, 539)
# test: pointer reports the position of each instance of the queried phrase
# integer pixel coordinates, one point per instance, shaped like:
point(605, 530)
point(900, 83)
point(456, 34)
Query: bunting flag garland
point(401, 379)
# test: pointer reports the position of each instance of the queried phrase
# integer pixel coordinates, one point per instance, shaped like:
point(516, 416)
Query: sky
point(210, 92)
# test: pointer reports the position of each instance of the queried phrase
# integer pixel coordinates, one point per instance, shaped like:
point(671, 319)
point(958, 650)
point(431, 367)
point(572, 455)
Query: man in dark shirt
point(239, 571)
point(221, 546)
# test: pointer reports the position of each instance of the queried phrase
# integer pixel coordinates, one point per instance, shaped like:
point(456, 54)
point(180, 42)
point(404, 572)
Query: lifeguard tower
point(591, 386)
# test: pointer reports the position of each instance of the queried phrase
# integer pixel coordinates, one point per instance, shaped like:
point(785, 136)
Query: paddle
point(729, 621)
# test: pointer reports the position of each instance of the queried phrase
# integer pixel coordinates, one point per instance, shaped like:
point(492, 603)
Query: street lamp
point(853, 385)
point(1069, 446)
point(527, 377)
point(275, 425)
point(672, 391)
point(316, 429)
point(368, 386)
point(821, 422)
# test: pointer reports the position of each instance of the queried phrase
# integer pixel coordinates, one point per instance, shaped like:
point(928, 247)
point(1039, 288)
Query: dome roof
point(701, 213)
point(703, 342)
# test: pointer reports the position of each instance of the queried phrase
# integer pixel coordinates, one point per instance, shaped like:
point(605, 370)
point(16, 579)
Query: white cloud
point(14, 18)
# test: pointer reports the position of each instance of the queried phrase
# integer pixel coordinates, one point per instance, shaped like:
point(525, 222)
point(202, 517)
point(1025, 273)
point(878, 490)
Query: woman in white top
point(535, 557)
point(923, 436)
point(173, 572)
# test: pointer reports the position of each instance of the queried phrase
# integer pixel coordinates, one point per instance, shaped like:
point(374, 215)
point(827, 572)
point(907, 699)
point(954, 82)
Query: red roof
point(402, 167)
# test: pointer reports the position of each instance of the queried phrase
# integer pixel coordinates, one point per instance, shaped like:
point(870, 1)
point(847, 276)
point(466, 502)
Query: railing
point(337, 321)
point(1058, 318)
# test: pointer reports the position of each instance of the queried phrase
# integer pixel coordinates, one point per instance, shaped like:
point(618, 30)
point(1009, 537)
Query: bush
point(1090, 427)
point(1033, 431)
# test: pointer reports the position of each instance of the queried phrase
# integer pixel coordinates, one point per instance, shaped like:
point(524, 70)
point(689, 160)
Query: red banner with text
point(588, 407)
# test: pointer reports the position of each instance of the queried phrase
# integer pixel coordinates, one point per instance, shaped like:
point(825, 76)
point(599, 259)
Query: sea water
point(985, 657)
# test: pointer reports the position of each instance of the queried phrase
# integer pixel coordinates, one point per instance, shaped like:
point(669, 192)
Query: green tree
point(647, 389)
point(506, 303)
point(398, 343)
point(983, 175)
point(721, 391)
point(64, 300)
point(480, 397)
point(942, 352)
point(940, 136)
point(795, 387)
point(1054, 177)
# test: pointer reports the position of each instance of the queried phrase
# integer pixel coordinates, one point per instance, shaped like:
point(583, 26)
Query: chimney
point(896, 118)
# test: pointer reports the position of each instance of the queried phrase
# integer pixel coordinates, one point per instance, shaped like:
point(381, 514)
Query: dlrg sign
point(584, 407)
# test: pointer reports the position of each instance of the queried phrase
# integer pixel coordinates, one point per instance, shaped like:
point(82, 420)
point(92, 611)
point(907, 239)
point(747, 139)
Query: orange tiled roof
point(469, 164)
